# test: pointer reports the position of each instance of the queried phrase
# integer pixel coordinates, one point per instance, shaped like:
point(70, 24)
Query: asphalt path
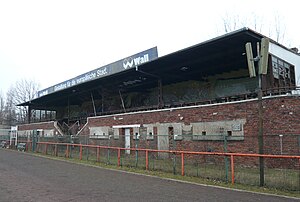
point(25, 177)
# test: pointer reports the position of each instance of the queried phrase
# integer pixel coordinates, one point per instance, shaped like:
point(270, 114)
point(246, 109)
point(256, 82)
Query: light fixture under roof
point(184, 68)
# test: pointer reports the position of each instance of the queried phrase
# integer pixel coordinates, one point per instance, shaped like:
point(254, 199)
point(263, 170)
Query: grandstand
point(195, 96)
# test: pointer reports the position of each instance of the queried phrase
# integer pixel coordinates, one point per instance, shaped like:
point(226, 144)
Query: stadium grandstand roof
point(221, 54)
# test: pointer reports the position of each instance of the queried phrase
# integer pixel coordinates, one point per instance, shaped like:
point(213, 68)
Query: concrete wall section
point(100, 132)
point(218, 130)
point(44, 129)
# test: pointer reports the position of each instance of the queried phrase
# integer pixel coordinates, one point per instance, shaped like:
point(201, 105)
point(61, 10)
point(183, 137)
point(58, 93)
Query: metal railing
point(282, 172)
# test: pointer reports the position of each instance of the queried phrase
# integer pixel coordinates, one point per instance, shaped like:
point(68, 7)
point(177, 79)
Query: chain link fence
point(4, 134)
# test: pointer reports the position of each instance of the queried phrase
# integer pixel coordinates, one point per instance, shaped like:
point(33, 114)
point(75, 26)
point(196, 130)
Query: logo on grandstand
point(129, 62)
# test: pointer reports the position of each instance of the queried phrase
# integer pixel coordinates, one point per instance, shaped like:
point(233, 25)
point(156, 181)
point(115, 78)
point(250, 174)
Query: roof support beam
point(160, 94)
point(123, 105)
point(95, 113)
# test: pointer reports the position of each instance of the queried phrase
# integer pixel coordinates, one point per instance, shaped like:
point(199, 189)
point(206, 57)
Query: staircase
point(64, 129)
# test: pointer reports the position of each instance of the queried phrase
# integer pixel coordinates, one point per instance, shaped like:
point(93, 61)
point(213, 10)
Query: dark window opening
point(171, 130)
point(229, 133)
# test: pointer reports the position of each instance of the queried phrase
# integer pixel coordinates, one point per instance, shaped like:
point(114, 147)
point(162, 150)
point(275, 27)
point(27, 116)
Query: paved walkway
point(24, 177)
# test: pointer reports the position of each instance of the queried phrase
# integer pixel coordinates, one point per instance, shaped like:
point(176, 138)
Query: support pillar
point(29, 114)
point(160, 94)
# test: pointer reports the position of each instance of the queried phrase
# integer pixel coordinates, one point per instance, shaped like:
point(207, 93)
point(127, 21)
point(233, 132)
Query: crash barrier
point(280, 171)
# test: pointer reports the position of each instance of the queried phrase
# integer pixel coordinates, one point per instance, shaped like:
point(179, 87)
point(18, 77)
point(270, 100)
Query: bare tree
point(10, 109)
point(256, 22)
point(22, 91)
point(276, 28)
point(232, 22)
point(2, 108)
point(277, 32)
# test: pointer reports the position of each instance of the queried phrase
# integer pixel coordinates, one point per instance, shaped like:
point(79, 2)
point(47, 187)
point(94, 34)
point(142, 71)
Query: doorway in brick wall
point(127, 140)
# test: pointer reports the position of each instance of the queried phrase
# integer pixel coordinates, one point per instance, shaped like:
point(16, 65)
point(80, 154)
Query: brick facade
point(280, 115)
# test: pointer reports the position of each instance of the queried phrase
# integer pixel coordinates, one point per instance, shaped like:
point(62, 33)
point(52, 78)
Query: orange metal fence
point(44, 147)
point(282, 170)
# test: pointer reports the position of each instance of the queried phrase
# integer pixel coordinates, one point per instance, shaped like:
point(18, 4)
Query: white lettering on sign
point(45, 92)
point(129, 62)
point(86, 77)
point(101, 72)
point(141, 60)
point(112, 68)
point(60, 86)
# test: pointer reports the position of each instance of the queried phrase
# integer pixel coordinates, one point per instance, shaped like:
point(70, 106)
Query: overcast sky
point(54, 40)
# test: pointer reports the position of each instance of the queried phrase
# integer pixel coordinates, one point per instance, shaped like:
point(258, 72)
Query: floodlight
point(250, 60)
point(264, 54)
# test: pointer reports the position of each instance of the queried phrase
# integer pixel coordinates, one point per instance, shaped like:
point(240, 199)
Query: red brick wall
point(33, 126)
point(281, 116)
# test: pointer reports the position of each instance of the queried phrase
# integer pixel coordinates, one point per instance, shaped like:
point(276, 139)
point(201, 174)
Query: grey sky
point(54, 40)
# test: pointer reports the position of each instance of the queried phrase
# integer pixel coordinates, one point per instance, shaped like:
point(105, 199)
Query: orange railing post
point(119, 157)
point(232, 169)
point(27, 145)
point(46, 148)
point(80, 152)
point(182, 164)
point(147, 160)
point(67, 151)
point(55, 150)
point(98, 154)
